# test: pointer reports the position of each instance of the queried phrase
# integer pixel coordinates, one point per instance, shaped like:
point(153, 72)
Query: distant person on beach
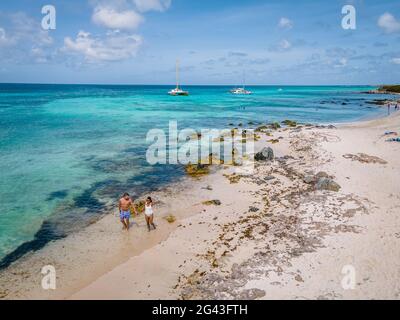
point(148, 213)
point(125, 205)
point(388, 108)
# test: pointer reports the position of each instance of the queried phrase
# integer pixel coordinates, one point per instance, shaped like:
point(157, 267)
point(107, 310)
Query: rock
point(298, 278)
point(275, 126)
point(265, 154)
point(196, 170)
point(253, 209)
point(268, 178)
point(212, 277)
point(212, 202)
point(234, 178)
point(261, 128)
point(327, 184)
point(322, 174)
point(251, 294)
point(281, 160)
point(187, 293)
point(170, 218)
point(236, 272)
point(309, 179)
point(288, 157)
point(290, 123)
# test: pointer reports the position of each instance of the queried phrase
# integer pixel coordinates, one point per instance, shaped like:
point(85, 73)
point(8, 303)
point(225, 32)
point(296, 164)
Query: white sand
point(269, 239)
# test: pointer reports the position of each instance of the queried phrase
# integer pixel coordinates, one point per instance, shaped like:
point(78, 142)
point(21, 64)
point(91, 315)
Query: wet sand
point(273, 235)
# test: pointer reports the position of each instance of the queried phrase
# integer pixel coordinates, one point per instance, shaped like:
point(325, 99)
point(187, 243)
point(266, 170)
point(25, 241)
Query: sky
point(269, 42)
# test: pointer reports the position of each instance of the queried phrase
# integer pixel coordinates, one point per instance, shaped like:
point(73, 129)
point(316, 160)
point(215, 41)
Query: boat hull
point(184, 93)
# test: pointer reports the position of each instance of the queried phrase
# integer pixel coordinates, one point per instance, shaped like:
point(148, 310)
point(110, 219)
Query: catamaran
point(178, 91)
point(241, 90)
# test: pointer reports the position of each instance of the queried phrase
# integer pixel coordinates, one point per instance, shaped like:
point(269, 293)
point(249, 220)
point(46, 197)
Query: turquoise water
point(68, 151)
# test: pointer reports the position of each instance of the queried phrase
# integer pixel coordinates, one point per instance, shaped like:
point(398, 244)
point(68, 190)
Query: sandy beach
point(329, 202)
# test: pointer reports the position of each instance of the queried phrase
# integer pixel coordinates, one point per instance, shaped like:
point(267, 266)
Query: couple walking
point(125, 204)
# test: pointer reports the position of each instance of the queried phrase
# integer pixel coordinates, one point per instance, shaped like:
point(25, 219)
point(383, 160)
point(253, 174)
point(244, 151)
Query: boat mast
point(177, 74)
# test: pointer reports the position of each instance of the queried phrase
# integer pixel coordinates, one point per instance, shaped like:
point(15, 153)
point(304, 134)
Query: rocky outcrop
point(290, 123)
point(327, 184)
point(266, 154)
point(321, 181)
point(212, 202)
point(197, 170)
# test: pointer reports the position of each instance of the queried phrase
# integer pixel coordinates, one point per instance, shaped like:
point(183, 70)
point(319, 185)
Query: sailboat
point(178, 91)
point(241, 90)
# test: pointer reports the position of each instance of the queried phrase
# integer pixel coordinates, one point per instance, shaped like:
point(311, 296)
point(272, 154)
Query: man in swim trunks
point(125, 205)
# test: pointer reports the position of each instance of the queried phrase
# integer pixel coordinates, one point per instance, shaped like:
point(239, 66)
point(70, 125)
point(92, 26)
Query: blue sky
point(138, 41)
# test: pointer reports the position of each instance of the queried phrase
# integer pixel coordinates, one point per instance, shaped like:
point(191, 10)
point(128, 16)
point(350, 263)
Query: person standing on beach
point(125, 204)
point(148, 213)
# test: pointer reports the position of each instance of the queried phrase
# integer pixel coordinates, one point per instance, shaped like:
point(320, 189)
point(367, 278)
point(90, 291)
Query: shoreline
point(105, 254)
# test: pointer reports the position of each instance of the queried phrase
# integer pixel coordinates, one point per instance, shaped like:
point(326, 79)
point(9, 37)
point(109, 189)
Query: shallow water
point(68, 151)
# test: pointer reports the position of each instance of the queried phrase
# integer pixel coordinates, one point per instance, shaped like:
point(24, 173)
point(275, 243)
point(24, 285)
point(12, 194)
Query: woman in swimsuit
point(148, 213)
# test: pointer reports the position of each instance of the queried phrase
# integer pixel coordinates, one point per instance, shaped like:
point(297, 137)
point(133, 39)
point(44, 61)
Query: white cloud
point(39, 55)
point(24, 41)
point(285, 23)
point(113, 19)
point(341, 63)
point(24, 28)
point(115, 46)
point(285, 44)
point(152, 5)
point(3, 37)
point(389, 23)
point(396, 60)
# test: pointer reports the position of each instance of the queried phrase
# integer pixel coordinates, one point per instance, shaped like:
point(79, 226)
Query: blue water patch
point(67, 152)
point(60, 194)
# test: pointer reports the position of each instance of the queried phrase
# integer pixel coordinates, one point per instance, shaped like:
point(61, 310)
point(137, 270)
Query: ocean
point(67, 152)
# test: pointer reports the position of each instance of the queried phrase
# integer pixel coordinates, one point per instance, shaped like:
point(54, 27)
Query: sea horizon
point(194, 85)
